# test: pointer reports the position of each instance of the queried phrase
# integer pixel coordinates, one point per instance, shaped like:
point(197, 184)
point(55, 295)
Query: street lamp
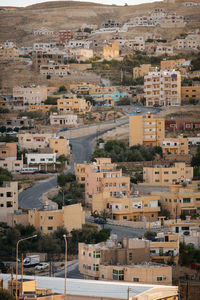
point(17, 247)
point(65, 238)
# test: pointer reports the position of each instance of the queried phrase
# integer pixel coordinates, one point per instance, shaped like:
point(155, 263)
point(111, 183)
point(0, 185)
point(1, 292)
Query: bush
point(5, 175)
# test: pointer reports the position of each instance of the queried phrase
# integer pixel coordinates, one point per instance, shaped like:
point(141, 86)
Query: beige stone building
point(53, 69)
point(66, 119)
point(171, 64)
point(128, 261)
point(30, 95)
point(60, 146)
point(34, 140)
point(162, 175)
point(12, 165)
point(71, 217)
point(72, 104)
point(8, 199)
point(190, 92)
point(141, 71)
point(79, 171)
point(129, 208)
point(111, 51)
point(180, 200)
point(8, 151)
point(163, 88)
point(177, 145)
point(40, 107)
point(103, 176)
point(8, 53)
point(147, 130)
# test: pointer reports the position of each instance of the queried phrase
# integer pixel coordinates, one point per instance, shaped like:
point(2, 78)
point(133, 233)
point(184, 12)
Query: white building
point(79, 44)
point(56, 119)
point(164, 49)
point(30, 94)
point(41, 158)
point(8, 199)
point(162, 88)
point(43, 31)
point(190, 42)
point(194, 141)
point(44, 46)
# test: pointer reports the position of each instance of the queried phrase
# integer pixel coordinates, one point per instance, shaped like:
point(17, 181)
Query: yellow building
point(79, 171)
point(111, 50)
point(147, 130)
point(162, 175)
point(180, 200)
point(103, 176)
point(72, 104)
point(8, 199)
point(7, 53)
point(171, 64)
point(177, 145)
point(141, 71)
point(130, 208)
point(40, 107)
point(82, 88)
point(71, 217)
point(163, 88)
point(190, 92)
point(164, 247)
point(60, 146)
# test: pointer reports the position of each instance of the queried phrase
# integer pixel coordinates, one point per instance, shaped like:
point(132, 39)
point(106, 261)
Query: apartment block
point(147, 130)
point(12, 165)
point(30, 95)
point(141, 71)
point(163, 88)
point(41, 158)
point(164, 247)
point(190, 92)
point(19, 122)
point(163, 175)
point(65, 36)
point(171, 64)
point(164, 50)
point(8, 53)
point(72, 104)
point(177, 145)
point(191, 42)
point(8, 199)
point(40, 107)
point(8, 151)
point(104, 177)
point(180, 200)
point(70, 217)
point(34, 140)
point(69, 119)
point(172, 21)
point(129, 208)
point(122, 262)
point(53, 69)
point(40, 57)
point(177, 125)
point(60, 146)
point(111, 51)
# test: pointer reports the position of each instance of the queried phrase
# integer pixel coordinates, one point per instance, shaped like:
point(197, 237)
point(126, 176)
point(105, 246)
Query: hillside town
point(100, 151)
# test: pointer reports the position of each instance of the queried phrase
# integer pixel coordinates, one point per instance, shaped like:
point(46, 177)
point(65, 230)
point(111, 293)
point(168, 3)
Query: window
point(124, 217)
point(89, 267)
point(90, 254)
point(135, 279)
point(1, 194)
point(118, 274)
point(8, 194)
point(95, 267)
point(175, 200)
point(102, 276)
point(96, 254)
point(197, 199)
point(50, 228)
point(186, 200)
point(1, 205)
point(126, 206)
point(185, 228)
point(130, 255)
point(50, 217)
point(159, 278)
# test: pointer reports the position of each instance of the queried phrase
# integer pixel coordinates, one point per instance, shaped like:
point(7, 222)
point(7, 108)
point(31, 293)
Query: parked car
point(43, 172)
point(99, 221)
point(41, 266)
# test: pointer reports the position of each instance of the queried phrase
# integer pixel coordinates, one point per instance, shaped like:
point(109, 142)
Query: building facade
point(163, 88)
point(8, 199)
point(72, 104)
point(147, 130)
point(30, 95)
point(68, 119)
point(162, 175)
point(60, 146)
point(34, 140)
point(177, 145)
point(111, 51)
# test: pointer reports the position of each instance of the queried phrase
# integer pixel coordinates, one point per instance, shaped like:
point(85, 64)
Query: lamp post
point(17, 248)
point(65, 238)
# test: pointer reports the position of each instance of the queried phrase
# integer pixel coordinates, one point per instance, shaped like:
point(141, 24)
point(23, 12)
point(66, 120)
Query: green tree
point(150, 235)
point(51, 100)
point(62, 88)
point(5, 295)
point(5, 175)
point(196, 158)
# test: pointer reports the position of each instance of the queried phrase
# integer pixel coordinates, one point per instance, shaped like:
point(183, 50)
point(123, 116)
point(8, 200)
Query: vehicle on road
point(43, 172)
point(42, 266)
point(29, 170)
point(138, 111)
point(99, 221)
point(31, 261)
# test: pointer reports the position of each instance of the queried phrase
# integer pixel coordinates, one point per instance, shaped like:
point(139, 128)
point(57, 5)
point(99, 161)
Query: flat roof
point(94, 288)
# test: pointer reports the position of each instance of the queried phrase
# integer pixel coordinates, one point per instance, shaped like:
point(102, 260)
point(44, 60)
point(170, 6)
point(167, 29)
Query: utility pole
point(128, 294)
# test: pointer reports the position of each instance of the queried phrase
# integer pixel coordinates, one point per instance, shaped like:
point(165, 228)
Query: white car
point(41, 266)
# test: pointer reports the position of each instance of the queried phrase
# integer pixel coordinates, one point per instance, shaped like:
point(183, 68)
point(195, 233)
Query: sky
point(23, 3)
